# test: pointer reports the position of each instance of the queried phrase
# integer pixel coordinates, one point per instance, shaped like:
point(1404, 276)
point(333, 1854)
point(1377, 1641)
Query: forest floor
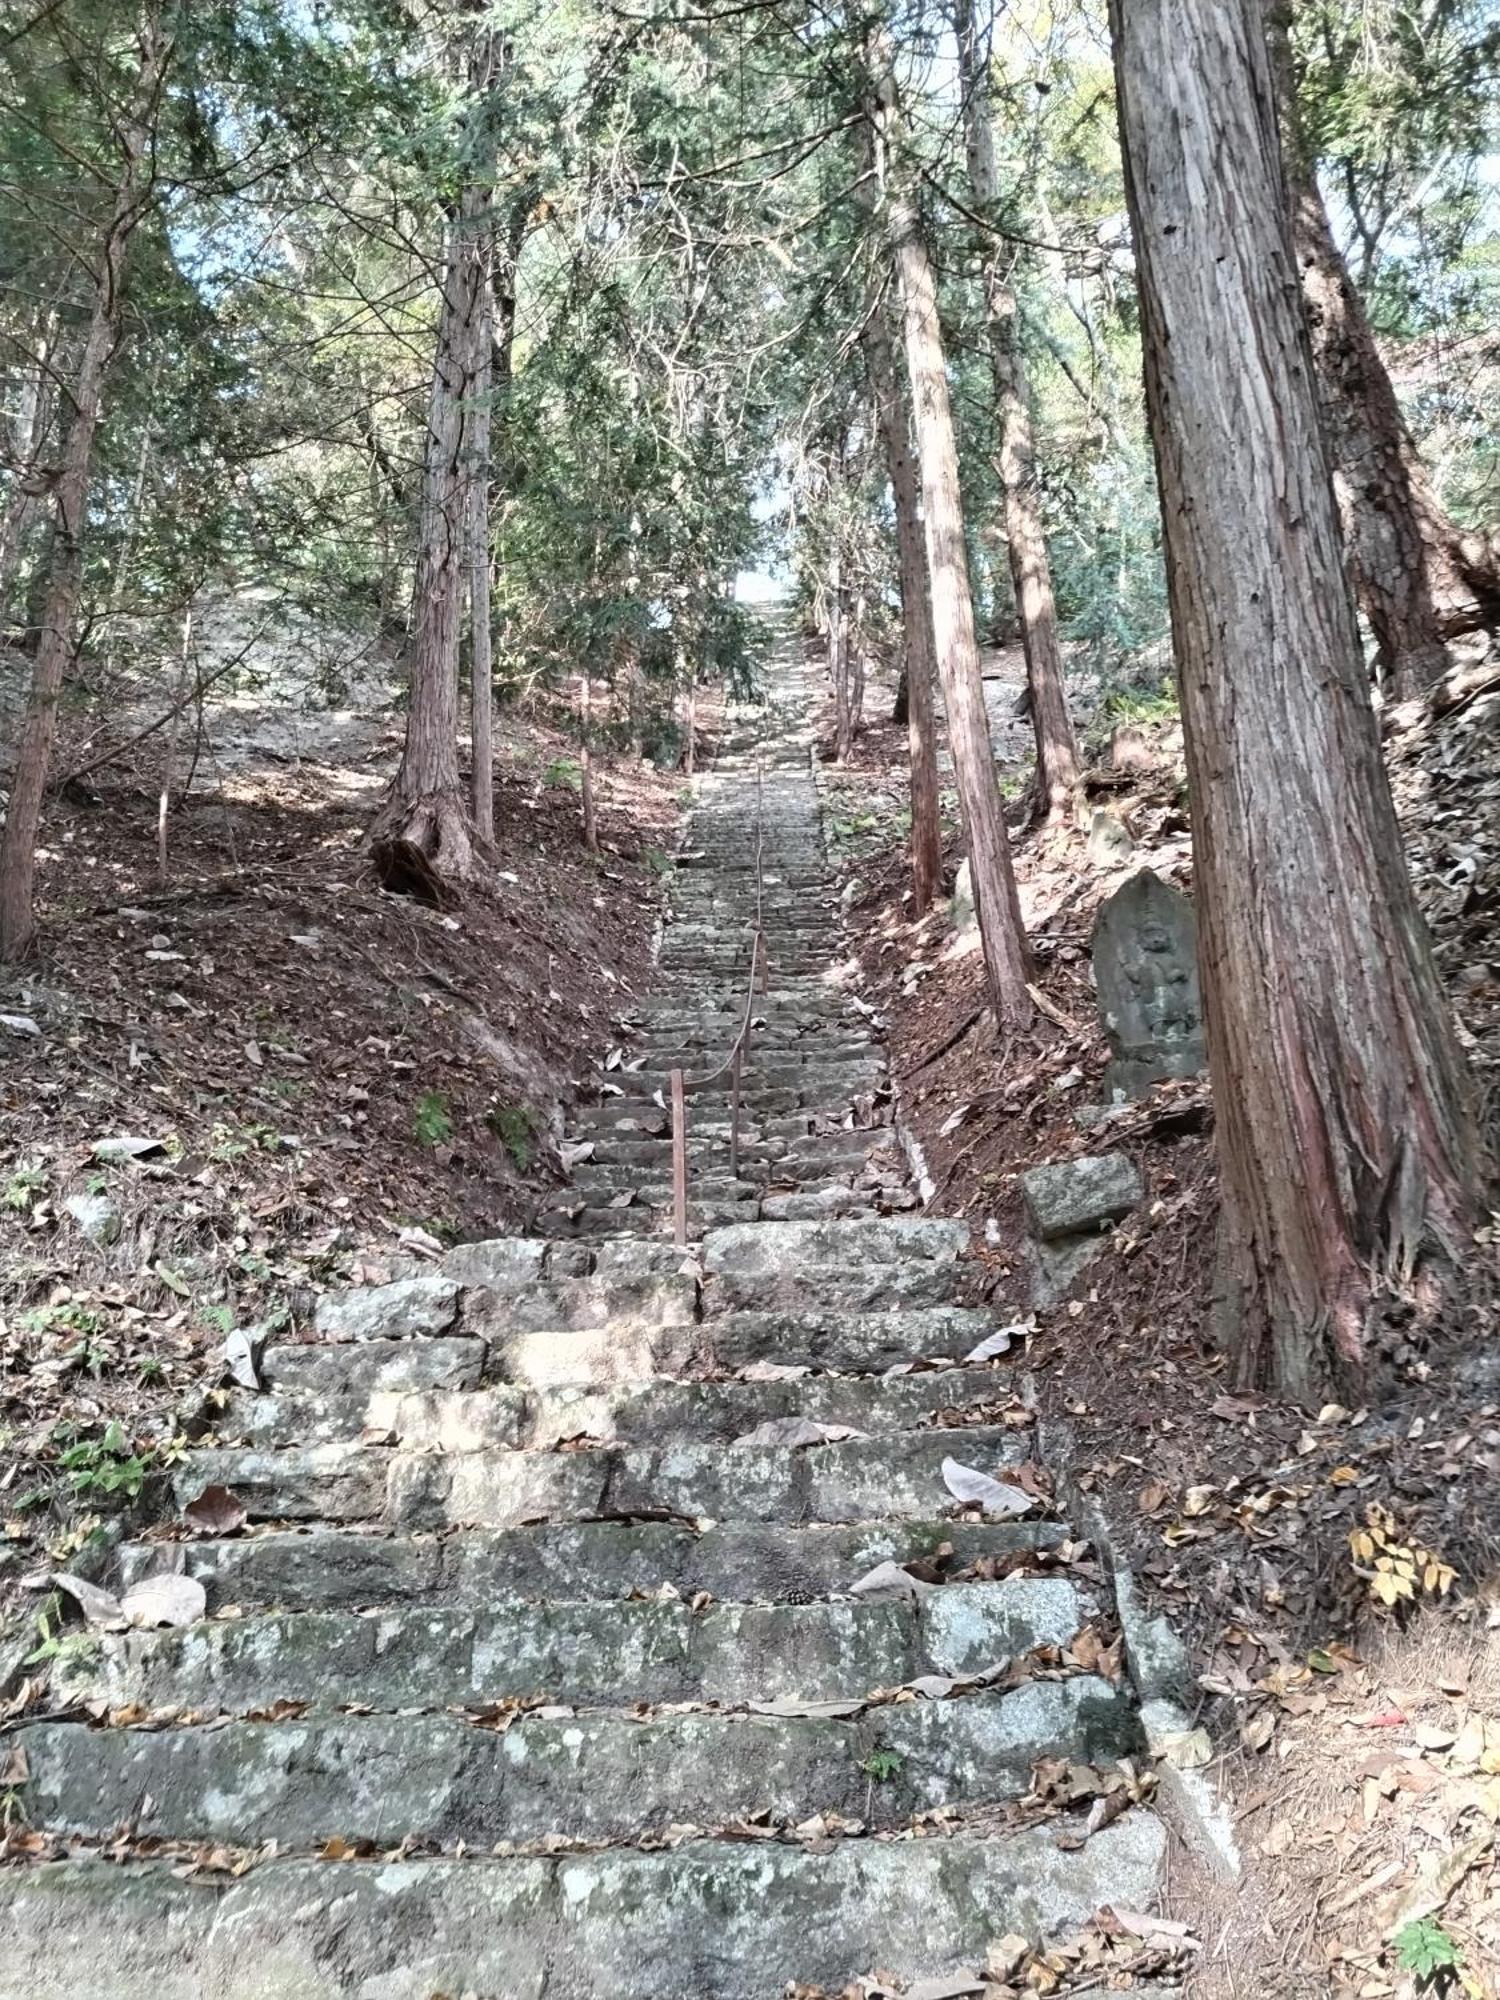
point(260, 1074)
point(1359, 1748)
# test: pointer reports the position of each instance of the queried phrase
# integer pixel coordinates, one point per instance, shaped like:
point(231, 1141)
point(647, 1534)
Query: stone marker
point(1068, 1197)
point(1146, 972)
point(1069, 1202)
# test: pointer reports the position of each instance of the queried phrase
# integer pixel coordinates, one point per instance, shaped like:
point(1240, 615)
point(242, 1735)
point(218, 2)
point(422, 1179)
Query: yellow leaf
point(1343, 1475)
point(1362, 1546)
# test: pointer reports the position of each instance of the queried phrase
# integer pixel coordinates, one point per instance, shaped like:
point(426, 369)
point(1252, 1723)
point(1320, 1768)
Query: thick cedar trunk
point(1001, 933)
point(70, 507)
point(1347, 1151)
point(1058, 775)
point(1419, 577)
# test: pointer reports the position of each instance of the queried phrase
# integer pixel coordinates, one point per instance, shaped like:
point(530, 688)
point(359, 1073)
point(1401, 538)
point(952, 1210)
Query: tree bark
point(422, 842)
point(28, 436)
point(1002, 935)
point(481, 657)
point(1419, 578)
point(1059, 778)
point(1348, 1156)
point(70, 504)
point(838, 659)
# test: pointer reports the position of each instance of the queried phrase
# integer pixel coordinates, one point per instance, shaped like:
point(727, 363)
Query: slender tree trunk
point(29, 433)
point(1000, 929)
point(838, 658)
point(1059, 779)
point(422, 841)
point(1347, 1151)
point(70, 505)
point(481, 659)
point(586, 766)
point(1419, 577)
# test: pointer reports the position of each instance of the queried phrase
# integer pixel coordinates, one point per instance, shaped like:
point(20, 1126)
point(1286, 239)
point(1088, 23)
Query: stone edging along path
point(540, 1666)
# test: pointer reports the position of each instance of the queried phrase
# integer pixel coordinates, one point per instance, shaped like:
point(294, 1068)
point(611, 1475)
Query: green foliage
point(23, 1187)
point(883, 1765)
point(1425, 1949)
point(515, 1127)
point(433, 1122)
point(104, 1468)
point(563, 774)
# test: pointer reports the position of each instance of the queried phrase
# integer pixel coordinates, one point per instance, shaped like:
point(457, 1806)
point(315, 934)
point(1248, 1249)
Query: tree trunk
point(1347, 1152)
point(838, 659)
point(28, 436)
point(1419, 577)
point(1059, 779)
point(998, 906)
point(586, 766)
point(481, 660)
point(70, 505)
point(422, 841)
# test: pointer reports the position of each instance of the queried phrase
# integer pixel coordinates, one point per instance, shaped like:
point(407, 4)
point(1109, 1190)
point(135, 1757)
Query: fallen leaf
point(242, 1358)
point(997, 1343)
point(825, 1711)
point(164, 1600)
point(797, 1431)
point(215, 1512)
point(889, 1579)
point(975, 1488)
point(100, 1607)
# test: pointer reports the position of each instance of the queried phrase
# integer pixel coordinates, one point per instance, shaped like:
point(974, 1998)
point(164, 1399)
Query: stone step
point(849, 1341)
point(324, 1568)
point(602, 1655)
point(897, 1477)
point(591, 1776)
point(705, 1921)
point(651, 1411)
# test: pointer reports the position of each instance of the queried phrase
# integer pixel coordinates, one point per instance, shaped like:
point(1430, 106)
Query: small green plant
point(433, 1122)
point(656, 862)
point(23, 1187)
point(232, 1142)
point(514, 1127)
point(220, 1319)
point(563, 774)
point(1142, 705)
point(1426, 1951)
point(882, 1765)
point(54, 1641)
point(149, 1371)
point(104, 1468)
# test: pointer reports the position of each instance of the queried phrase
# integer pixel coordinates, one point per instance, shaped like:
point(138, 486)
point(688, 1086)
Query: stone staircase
point(537, 1672)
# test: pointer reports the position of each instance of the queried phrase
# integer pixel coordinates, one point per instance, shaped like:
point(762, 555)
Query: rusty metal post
point(679, 1161)
point(734, 1110)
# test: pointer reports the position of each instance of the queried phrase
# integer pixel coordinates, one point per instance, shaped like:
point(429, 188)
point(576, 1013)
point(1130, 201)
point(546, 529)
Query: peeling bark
point(1419, 578)
point(1349, 1163)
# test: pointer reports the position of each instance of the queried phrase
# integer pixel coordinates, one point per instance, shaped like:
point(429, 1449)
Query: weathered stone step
point(654, 1411)
point(592, 1776)
point(870, 1264)
point(889, 1478)
point(601, 1655)
point(707, 1921)
point(845, 1340)
point(325, 1568)
point(766, 1071)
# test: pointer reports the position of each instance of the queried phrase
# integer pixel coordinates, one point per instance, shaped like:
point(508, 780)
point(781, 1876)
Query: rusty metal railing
point(733, 1064)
